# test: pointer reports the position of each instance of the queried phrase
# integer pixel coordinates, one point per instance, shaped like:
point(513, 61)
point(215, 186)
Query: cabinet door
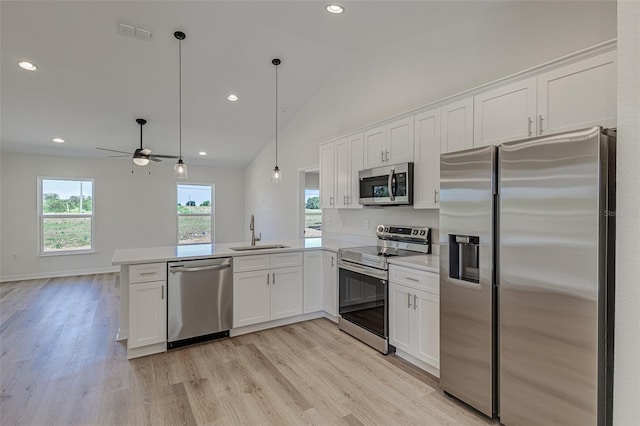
point(399, 141)
point(343, 170)
point(330, 277)
point(426, 323)
point(400, 316)
point(457, 126)
point(505, 114)
point(427, 160)
point(356, 159)
point(375, 147)
point(286, 292)
point(313, 280)
point(578, 95)
point(327, 176)
point(147, 314)
point(251, 299)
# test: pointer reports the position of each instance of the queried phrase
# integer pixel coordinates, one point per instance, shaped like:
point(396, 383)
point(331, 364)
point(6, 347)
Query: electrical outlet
point(366, 224)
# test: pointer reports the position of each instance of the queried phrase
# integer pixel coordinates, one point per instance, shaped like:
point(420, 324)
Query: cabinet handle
point(331, 200)
point(267, 278)
point(415, 301)
point(530, 123)
point(162, 293)
point(412, 279)
point(273, 281)
point(435, 196)
point(540, 122)
point(147, 273)
point(332, 259)
point(386, 156)
point(408, 300)
point(382, 156)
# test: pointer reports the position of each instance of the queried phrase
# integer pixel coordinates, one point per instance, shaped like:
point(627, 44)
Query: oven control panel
point(401, 233)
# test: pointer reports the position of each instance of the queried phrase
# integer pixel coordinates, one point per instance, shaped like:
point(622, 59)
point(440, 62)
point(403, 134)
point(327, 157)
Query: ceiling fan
point(141, 156)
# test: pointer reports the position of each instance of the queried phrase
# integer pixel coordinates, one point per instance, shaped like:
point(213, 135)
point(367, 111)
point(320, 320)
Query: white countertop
point(201, 251)
point(426, 262)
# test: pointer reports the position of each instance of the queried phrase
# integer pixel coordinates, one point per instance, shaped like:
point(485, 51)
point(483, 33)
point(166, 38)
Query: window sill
point(66, 253)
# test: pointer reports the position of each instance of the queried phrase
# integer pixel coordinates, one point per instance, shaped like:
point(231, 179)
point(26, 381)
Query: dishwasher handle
point(174, 269)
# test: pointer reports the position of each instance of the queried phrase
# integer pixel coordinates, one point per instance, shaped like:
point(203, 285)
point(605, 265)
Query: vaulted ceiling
point(93, 82)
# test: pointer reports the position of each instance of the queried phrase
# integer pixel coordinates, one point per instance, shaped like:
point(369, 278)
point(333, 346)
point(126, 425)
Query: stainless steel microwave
point(387, 185)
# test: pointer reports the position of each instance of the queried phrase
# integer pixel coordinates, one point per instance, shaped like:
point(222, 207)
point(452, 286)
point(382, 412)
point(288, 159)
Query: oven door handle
point(371, 272)
point(391, 184)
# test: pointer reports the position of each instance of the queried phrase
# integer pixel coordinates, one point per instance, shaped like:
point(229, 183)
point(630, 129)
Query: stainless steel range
point(364, 274)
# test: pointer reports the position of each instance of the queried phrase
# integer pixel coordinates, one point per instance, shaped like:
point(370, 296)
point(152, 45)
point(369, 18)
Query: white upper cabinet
point(400, 141)
point(375, 145)
point(457, 126)
point(348, 162)
point(389, 144)
point(327, 176)
point(427, 160)
point(578, 95)
point(505, 114)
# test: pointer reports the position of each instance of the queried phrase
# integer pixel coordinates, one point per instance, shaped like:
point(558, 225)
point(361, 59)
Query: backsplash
point(363, 222)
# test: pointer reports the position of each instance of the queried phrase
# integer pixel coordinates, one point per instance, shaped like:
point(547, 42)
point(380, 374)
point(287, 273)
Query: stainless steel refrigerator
point(526, 278)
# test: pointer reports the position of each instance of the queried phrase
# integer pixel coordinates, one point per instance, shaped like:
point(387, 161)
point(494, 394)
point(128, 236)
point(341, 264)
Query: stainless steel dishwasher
point(200, 300)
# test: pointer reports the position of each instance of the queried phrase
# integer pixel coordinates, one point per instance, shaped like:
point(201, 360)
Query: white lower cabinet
point(414, 314)
point(147, 306)
point(267, 294)
point(330, 281)
point(313, 281)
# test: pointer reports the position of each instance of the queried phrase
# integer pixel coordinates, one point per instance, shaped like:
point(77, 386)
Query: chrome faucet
point(253, 234)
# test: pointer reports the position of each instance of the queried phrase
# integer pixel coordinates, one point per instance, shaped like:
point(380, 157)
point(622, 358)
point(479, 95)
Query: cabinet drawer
point(420, 280)
point(251, 263)
point(286, 260)
point(147, 272)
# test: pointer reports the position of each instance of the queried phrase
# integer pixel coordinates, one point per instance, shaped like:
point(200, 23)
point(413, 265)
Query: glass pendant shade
point(180, 170)
point(276, 176)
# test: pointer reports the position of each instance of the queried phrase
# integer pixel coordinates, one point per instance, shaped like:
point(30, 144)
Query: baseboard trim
point(272, 324)
point(435, 371)
point(56, 274)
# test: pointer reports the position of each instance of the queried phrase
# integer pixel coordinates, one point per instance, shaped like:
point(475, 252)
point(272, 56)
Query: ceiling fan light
point(180, 170)
point(140, 161)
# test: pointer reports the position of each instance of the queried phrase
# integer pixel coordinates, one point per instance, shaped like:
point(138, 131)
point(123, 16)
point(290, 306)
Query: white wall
point(131, 210)
point(627, 322)
point(392, 79)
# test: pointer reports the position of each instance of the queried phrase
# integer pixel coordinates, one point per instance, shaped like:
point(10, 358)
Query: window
point(312, 213)
point(66, 210)
point(195, 214)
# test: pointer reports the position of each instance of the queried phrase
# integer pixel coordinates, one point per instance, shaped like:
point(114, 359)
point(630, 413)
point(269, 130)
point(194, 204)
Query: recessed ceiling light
point(202, 153)
point(27, 66)
point(232, 97)
point(58, 140)
point(335, 8)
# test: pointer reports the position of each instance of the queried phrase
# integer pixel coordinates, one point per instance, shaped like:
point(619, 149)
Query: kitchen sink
point(261, 247)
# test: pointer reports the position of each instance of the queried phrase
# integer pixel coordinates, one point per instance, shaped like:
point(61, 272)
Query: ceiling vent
point(133, 31)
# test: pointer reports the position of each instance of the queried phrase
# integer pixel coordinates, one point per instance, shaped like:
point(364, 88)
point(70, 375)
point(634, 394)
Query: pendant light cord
point(180, 93)
point(276, 115)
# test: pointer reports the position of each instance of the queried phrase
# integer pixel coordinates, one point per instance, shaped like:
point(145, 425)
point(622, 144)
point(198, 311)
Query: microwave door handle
point(392, 195)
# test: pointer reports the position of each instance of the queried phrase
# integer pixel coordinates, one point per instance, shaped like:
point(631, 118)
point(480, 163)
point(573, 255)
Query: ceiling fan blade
point(145, 151)
point(119, 156)
point(157, 160)
point(113, 150)
point(164, 156)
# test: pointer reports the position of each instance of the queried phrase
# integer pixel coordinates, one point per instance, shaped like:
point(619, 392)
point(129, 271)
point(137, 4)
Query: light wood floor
point(60, 365)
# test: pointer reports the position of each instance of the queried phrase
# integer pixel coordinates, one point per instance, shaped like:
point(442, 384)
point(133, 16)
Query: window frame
point(211, 214)
point(42, 216)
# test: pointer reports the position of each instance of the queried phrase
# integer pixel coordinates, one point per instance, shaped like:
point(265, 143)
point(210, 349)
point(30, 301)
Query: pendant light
point(276, 177)
point(180, 168)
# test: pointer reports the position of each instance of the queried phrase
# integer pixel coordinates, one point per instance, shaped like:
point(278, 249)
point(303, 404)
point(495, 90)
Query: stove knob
point(414, 232)
point(423, 232)
point(386, 229)
point(380, 228)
